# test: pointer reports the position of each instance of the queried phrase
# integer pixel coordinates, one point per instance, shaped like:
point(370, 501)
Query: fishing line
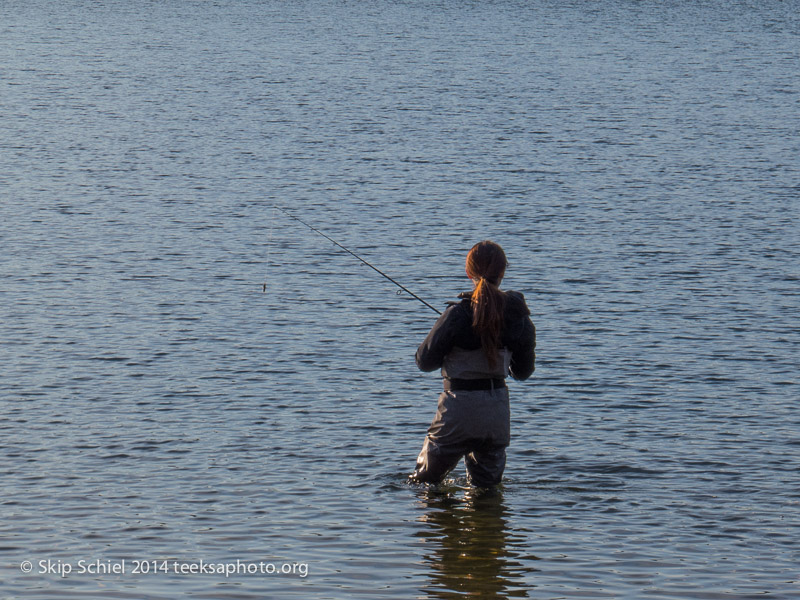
point(374, 268)
point(269, 247)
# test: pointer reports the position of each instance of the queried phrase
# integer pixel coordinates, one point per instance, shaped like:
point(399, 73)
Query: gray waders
point(472, 421)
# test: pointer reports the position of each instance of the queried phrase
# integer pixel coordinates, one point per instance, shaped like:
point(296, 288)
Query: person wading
point(476, 343)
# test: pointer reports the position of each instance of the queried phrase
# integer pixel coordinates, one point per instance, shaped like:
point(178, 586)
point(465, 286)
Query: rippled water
point(637, 160)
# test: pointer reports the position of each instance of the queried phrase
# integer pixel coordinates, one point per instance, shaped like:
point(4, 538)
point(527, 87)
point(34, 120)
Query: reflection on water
point(469, 545)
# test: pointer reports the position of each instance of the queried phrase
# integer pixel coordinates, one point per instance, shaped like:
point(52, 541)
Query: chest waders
point(472, 421)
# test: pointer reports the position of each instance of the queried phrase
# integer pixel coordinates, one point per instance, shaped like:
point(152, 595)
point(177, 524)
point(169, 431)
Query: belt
point(474, 384)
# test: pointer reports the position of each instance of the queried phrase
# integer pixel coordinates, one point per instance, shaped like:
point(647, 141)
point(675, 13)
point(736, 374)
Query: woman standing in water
point(476, 343)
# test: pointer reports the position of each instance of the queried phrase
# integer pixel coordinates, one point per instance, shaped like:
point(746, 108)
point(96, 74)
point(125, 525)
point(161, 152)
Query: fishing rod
point(374, 268)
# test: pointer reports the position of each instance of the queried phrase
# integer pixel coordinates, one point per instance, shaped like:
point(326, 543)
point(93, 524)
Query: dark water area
point(638, 161)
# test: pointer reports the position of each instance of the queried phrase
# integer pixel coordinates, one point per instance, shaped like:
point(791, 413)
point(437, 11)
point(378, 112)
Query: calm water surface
point(637, 160)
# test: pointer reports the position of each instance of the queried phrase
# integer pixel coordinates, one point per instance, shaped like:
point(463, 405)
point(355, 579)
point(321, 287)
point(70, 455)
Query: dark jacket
point(453, 330)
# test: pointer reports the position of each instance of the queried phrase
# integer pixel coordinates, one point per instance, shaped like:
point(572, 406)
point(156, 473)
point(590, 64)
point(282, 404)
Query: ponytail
point(486, 264)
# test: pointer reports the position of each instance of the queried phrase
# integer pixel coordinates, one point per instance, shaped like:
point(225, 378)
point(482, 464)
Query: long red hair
point(486, 265)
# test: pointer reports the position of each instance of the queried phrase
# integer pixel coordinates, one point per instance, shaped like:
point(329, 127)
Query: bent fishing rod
point(373, 267)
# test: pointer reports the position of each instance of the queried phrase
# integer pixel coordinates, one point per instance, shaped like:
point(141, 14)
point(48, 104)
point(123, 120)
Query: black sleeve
point(523, 354)
point(431, 352)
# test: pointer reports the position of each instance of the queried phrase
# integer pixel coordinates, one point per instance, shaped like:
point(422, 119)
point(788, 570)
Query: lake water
point(637, 160)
